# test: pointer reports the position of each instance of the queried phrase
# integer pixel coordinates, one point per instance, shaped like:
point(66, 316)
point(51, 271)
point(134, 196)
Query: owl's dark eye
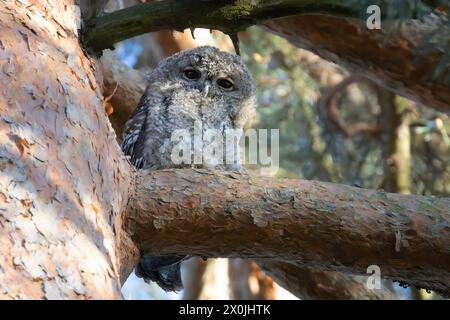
point(225, 84)
point(191, 74)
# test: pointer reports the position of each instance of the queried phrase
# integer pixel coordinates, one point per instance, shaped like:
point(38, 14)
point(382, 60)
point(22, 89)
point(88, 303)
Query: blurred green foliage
point(290, 84)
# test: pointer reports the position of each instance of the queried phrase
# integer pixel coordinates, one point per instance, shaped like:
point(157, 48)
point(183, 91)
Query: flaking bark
point(63, 178)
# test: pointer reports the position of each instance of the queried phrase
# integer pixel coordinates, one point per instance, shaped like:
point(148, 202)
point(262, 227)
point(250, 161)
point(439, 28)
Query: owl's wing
point(134, 133)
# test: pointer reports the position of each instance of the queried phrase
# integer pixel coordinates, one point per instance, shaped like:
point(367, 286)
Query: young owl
point(203, 85)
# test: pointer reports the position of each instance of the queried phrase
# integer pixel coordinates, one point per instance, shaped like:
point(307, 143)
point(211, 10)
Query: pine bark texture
point(321, 225)
point(63, 178)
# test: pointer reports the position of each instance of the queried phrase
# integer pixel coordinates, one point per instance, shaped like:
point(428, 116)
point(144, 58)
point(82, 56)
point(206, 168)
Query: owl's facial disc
point(201, 79)
point(209, 73)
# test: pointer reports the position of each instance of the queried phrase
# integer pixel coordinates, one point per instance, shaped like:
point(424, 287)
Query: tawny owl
point(203, 85)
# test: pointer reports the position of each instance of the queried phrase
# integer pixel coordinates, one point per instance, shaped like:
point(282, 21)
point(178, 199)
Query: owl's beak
point(206, 89)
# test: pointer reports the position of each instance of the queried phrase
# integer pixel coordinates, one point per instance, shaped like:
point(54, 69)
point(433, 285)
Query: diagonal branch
point(316, 224)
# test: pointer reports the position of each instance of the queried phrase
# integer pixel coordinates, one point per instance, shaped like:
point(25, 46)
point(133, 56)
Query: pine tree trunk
point(63, 180)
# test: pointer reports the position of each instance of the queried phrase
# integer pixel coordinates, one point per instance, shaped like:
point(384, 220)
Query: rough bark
point(63, 179)
point(321, 225)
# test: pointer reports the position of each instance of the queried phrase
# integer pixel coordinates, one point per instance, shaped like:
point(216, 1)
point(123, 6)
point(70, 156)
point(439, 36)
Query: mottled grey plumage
point(173, 100)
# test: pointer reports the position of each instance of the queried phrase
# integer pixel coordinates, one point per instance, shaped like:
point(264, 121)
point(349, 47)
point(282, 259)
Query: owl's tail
point(164, 270)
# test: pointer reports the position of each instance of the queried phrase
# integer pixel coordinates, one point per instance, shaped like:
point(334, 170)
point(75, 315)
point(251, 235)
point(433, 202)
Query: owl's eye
point(225, 84)
point(191, 74)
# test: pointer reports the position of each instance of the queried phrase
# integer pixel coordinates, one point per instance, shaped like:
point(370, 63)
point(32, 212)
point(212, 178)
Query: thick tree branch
point(226, 15)
point(321, 225)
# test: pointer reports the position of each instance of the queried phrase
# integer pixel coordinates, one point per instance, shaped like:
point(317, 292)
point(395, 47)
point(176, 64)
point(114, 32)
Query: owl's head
point(210, 73)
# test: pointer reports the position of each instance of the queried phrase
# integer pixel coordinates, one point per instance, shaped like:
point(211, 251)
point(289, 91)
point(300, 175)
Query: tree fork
point(317, 224)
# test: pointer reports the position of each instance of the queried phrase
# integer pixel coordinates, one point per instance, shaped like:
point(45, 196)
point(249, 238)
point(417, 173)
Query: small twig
point(235, 39)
